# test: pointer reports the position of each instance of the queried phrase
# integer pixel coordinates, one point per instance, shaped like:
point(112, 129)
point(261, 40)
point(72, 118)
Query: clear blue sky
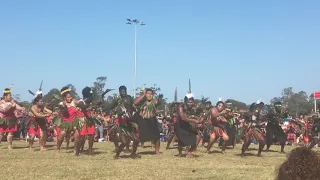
point(232, 49)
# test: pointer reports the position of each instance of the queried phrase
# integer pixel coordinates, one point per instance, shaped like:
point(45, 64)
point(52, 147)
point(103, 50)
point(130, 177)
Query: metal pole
point(135, 22)
point(135, 60)
point(315, 103)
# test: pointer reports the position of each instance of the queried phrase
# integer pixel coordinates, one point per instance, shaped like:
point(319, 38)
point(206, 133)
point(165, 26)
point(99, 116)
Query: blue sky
point(244, 50)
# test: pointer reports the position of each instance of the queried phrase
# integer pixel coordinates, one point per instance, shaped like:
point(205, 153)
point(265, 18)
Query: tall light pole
point(135, 22)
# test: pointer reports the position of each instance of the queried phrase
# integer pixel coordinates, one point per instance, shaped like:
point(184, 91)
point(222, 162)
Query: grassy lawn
point(23, 164)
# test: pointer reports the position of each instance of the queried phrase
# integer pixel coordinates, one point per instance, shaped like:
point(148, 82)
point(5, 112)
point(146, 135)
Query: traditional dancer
point(207, 124)
point(37, 124)
point(274, 129)
point(252, 129)
point(68, 109)
point(218, 120)
point(8, 119)
point(230, 127)
point(119, 102)
point(86, 121)
point(172, 137)
point(186, 132)
point(146, 118)
point(126, 128)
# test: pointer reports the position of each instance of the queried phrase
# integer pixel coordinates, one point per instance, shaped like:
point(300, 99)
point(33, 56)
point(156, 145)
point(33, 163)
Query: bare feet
point(116, 157)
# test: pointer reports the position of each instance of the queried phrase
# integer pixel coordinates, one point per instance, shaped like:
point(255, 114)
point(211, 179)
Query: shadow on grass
point(269, 151)
point(185, 155)
point(215, 152)
point(252, 149)
point(93, 153)
point(147, 153)
point(246, 154)
point(171, 148)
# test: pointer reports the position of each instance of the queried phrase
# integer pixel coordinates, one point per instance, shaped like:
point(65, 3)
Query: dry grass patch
point(23, 164)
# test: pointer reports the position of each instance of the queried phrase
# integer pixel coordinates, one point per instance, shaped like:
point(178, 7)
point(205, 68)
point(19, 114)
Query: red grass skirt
point(33, 131)
point(5, 128)
point(90, 130)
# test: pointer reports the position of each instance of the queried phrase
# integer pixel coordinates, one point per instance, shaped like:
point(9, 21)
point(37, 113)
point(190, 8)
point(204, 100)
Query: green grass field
point(24, 164)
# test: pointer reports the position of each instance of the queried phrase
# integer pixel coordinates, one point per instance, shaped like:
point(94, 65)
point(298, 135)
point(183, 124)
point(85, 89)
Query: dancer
point(218, 120)
point(172, 137)
point(119, 102)
point(274, 129)
point(69, 124)
point(186, 133)
point(207, 124)
point(86, 121)
point(230, 127)
point(146, 118)
point(126, 128)
point(252, 129)
point(37, 124)
point(8, 119)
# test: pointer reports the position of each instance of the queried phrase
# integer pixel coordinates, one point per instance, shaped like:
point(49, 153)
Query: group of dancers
point(136, 121)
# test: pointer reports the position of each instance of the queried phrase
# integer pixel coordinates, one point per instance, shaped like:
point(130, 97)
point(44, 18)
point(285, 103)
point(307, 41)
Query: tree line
point(295, 102)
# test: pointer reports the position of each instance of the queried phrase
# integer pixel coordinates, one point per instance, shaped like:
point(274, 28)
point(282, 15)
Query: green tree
point(296, 103)
point(238, 104)
point(157, 94)
point(51, 95)
point(98, 88)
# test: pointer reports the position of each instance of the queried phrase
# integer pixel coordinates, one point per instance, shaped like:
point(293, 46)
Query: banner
point(316, 95)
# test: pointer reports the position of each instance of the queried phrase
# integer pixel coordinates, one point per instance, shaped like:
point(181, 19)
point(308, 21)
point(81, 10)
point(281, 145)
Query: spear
point(176, 95)
point(189, 85)
point(40, 89)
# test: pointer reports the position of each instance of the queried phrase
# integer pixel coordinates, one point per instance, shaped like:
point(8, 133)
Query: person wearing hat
point(273, 128)
point(8, 119)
